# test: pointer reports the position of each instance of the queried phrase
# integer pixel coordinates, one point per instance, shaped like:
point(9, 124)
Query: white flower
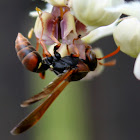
point(128, 8)
point(48, 20)
point(137, 67)
point(95, 20)
point(126, 32)
point(127, 36)
point(100, 32)
point(56, 2)
point(94, 13)
point(47, 9)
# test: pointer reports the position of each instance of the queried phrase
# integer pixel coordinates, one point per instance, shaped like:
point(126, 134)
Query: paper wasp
point(69, 68)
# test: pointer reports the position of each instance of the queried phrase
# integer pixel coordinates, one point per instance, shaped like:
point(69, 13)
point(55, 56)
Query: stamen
point(111, 54)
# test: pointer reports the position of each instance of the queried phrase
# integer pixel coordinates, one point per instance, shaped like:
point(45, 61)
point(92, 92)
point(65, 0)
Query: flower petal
point(137, 68)
point(128, 8)
point(68, 29)
point(81, 29)
point(48, 22)
point(99, 33)
point(56, 2)
point(93, 13)
point(48, 9)
point(127, 36)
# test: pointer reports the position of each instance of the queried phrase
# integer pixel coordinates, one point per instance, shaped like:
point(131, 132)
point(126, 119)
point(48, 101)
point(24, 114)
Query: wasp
point(68, 68)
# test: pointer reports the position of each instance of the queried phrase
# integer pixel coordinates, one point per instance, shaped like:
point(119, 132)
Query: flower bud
point(127, 36)
point(94, 13)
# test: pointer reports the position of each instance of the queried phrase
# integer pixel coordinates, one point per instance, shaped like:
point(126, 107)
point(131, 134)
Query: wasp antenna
point(79, 36)
point(76, 54)
point(111, 54)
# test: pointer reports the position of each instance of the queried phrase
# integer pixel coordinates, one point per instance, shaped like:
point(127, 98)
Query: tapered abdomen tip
point(20, 38)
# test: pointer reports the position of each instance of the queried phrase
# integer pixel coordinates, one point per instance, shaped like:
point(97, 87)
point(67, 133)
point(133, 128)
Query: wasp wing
point(36, 114)
point(47, 90)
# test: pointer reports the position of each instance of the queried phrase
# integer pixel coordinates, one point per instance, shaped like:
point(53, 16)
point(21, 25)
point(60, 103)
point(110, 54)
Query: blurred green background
point(105, 108)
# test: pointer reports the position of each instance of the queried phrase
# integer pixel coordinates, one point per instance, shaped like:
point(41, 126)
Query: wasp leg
point(111, 54)
point(110, 63)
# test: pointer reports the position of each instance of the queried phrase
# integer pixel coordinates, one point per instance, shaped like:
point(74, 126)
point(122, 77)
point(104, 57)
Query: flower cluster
point(92, 19)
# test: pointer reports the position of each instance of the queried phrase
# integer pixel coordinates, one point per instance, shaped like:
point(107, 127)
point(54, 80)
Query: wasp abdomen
point(29, 57)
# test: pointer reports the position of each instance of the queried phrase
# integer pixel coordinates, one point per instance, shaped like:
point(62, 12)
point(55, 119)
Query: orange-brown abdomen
point(29, 57)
